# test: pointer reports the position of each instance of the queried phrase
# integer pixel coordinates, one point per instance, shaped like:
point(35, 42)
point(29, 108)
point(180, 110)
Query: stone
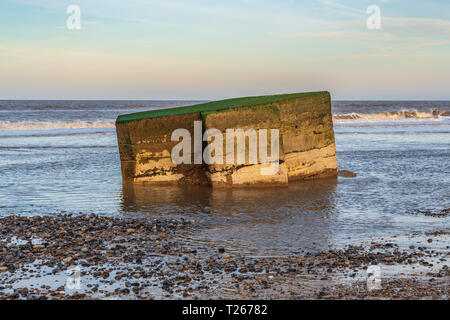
point(67, 260)
point(303, 122)
point(346, 174)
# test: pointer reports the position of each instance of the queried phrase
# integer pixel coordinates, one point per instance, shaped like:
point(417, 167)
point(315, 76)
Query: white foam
point(50, 125)
point(394, 116)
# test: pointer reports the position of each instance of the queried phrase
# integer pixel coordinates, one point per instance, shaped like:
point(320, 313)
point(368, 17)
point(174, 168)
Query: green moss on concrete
point(213, 106)
point(254, 108)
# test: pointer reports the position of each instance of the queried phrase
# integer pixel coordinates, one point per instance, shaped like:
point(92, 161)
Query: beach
point(145, 259)
point(65, 211)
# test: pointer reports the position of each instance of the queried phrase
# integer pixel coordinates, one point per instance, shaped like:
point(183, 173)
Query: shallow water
point(62, 157)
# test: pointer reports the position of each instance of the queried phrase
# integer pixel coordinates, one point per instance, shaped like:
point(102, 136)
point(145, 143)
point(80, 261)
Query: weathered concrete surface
point(306, 147)
point(308, 137)
point(145, 150)
point(247, 173)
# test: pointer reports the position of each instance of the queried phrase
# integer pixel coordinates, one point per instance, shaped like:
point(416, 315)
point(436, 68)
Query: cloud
point(420, 25)
point(416, 25)
point(380, 56)
point(341, 8)
point(87, 22)
point(364, 36)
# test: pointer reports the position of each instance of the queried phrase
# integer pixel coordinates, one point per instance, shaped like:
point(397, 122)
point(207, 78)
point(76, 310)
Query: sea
point(61, 157)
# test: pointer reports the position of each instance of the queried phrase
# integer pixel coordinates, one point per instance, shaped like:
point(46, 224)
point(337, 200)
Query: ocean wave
point(387, 116)
point(50, 125)
point(393, 116)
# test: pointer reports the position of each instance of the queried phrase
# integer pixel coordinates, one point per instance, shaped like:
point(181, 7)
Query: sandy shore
point(120, 258)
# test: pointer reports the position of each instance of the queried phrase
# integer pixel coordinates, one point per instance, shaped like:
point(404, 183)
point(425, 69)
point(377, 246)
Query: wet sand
point(138, 258)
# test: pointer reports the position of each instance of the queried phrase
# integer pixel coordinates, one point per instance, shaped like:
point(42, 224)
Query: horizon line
point(353, 99)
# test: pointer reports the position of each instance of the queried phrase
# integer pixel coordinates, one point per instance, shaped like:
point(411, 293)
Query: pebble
point(67, 260)
point(128, 254)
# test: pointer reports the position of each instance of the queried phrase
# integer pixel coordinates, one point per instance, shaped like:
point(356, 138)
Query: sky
point(210, 49)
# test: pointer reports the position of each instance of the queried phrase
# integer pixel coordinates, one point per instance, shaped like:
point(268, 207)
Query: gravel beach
point(95, 257)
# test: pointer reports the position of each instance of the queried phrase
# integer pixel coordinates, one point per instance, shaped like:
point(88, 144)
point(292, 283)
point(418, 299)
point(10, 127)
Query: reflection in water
point(252, 221)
